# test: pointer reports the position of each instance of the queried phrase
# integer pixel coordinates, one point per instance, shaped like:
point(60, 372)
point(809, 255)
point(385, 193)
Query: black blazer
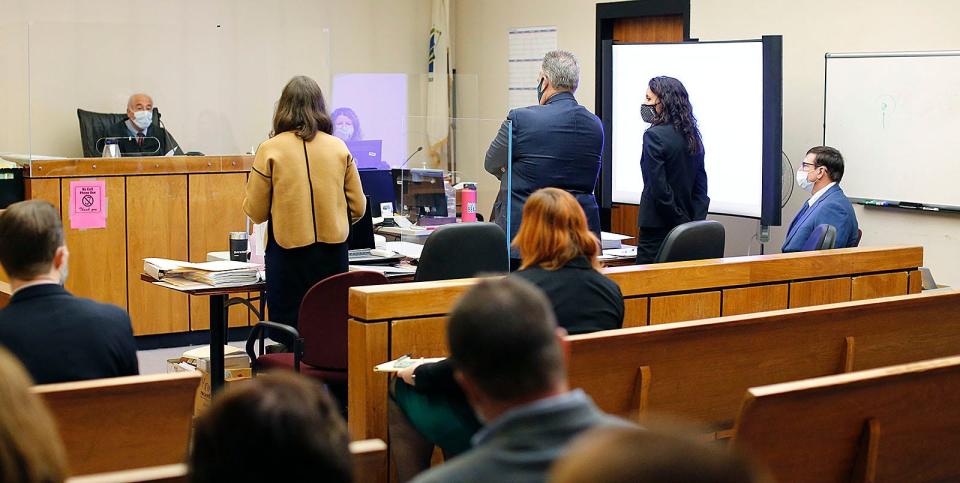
point(60, 338)
point(556, 145)
point(583, 299)
point(674, 181)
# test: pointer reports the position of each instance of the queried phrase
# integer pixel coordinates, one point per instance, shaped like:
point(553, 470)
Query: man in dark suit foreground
point(820, 173)
point(57, 336)
point(508, 356)
point(555, 144)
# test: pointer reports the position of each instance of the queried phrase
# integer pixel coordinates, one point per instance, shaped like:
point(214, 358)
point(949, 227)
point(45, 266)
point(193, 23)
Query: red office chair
point(319, 343)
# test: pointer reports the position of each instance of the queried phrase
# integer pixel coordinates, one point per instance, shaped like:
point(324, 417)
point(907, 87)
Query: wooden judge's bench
point(169, 207)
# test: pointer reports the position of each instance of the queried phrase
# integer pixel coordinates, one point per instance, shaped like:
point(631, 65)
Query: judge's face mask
point(143, 119)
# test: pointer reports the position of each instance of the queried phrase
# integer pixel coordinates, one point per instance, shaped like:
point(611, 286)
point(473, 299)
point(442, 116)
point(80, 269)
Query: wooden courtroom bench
point(369, 466)
point(891, 424)
point(123, 422)
point(698, 371)
point(391, 320)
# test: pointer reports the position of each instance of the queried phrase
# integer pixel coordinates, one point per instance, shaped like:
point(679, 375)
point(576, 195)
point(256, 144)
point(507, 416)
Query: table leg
point(218, 333)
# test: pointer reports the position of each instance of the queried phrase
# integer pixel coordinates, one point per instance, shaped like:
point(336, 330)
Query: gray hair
point(562, 69)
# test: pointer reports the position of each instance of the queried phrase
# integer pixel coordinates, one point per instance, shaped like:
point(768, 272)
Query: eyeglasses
point(807, 166)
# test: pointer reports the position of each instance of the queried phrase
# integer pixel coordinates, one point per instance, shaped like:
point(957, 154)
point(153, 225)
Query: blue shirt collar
point(567, 400)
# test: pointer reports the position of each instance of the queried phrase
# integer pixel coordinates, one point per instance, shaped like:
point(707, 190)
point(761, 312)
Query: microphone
point(419, 148)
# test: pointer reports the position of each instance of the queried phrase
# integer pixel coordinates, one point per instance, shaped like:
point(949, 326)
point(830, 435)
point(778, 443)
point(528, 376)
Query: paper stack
point(223, 273)
point(612, 240)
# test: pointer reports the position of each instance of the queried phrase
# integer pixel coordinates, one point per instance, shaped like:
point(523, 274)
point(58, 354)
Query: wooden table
point(219, 301)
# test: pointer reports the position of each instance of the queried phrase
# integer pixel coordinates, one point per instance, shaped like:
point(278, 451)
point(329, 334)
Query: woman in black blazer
point(559, 255)
point(674, 178)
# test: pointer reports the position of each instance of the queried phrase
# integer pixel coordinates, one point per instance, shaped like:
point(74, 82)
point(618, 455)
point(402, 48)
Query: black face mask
point(648, 112)
point(540, 90)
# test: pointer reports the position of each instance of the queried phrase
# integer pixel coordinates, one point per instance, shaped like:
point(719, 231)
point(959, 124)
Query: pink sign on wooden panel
point(88, 204)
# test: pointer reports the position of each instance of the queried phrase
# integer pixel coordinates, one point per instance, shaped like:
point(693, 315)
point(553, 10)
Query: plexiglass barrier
point(14, 89)
point(211, 88)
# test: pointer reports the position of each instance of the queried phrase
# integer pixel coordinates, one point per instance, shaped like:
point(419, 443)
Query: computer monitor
point(421, 192)
point(367, 154)
point(361, 232)
point(378, 185)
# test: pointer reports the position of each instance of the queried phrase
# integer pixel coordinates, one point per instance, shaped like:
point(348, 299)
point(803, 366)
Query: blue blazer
point(555, 145)
point(833, 208)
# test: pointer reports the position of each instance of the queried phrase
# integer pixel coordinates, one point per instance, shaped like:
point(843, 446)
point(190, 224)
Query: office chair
point(463, 250)
point(93, 127)
point(856, 241)
point(319, 342)
point(823, 237)
point(695, 240)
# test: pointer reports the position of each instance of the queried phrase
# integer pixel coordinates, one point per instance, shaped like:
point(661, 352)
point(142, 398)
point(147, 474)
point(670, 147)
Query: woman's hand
point(407, 374)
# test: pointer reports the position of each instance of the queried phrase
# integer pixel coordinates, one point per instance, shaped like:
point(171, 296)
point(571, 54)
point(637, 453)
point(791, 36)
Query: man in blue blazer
point(556, 144)
point(820, 173)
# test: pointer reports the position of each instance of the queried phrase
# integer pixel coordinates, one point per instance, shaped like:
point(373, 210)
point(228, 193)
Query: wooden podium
point(169, 207)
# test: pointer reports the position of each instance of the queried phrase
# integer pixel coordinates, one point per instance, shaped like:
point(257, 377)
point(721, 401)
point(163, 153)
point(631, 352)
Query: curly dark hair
point(676, 110)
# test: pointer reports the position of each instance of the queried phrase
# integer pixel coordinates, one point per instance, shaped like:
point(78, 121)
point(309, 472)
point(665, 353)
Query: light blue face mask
point(143, 119)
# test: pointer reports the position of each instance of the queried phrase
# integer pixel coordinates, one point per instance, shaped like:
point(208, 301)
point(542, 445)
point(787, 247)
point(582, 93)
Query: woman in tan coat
point(305, 182)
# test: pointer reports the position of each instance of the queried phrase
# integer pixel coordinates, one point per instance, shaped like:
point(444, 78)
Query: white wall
point(810, 29)
point(214, 68)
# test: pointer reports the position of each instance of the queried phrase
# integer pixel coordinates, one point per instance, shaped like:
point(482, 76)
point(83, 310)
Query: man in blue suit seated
point(820, 174)
point(556, 144)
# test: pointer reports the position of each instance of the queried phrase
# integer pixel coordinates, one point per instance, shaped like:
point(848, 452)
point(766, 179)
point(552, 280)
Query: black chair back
point(463, 250)
point(94, 126)
point(823, 237)
point(696, 240)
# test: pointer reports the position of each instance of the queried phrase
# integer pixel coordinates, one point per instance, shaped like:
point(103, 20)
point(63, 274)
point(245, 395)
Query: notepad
point(404, 362)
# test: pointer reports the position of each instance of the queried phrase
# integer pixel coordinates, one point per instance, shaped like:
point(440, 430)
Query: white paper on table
point(406, 249)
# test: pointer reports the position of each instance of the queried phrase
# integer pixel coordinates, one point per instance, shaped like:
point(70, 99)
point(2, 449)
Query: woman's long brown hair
point(554, 231)
point(302, 109)
point(30, 447)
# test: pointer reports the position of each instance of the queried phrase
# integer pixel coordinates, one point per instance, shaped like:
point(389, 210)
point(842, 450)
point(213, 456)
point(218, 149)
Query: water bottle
point(110, 149)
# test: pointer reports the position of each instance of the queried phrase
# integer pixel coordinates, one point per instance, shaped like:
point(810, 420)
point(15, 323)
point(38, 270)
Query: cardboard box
point(203, 399)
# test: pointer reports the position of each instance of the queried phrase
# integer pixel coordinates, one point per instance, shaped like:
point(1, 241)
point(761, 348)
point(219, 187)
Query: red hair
point(554, 231)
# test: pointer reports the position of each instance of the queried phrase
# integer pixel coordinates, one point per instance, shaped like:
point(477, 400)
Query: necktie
point(140, 138)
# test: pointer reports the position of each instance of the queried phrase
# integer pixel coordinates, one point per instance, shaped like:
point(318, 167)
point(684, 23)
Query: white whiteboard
point(729, 111)
point(895, 117)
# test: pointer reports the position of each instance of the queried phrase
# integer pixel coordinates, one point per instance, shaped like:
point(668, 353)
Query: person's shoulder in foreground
point(508, 355)
point(57, 336)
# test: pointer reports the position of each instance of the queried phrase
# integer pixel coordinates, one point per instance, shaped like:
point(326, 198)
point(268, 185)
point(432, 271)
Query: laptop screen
point(367, 154)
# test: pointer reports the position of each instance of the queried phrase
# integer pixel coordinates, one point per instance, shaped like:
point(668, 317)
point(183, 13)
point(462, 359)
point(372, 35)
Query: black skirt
point(292, 271)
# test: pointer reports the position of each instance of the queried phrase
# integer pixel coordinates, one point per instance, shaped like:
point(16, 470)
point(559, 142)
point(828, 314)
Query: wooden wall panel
point(748, 300)
point(678, 308)
point(667, 28)
point(914, 282)
point(367, 390)
point(878, 285)
point(817, 292)
point(216, 209)
point(156, 227)
point(98, 261)
point(623, 220)
point(44, 189)
point(426, 337)
point(635, 311)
